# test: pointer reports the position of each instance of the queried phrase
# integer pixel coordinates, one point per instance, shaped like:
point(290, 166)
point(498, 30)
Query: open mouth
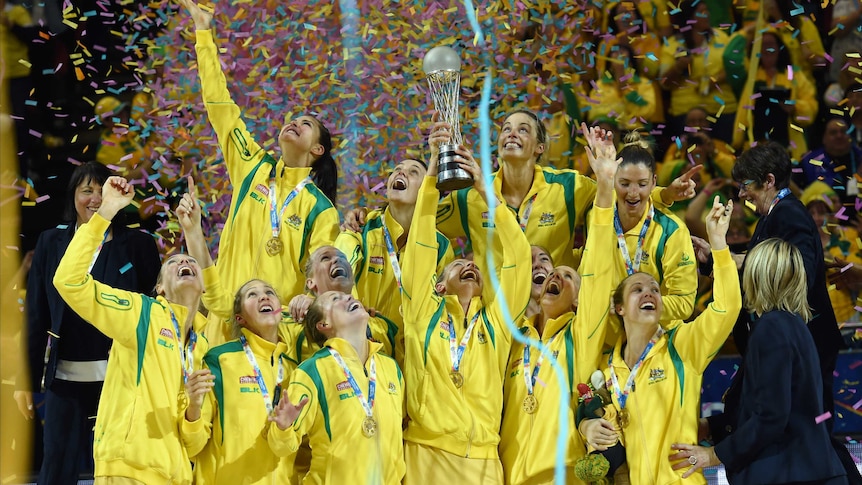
point(633, 203)
point(338, 272)
point(554, 288)
point(511, 145)
point(399, 183)
point(648, 306)
point(469, 274)
point(354, 305)
point(291, 130)
point(539, 277)
point(185, 271)
point(266, 309)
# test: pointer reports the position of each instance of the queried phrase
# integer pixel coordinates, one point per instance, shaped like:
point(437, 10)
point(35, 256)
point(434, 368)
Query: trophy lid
point(441, 58)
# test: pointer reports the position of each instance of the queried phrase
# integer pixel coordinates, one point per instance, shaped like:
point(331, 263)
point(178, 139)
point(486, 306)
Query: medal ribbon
point(98, 250)
point(530, 377)
point(781, 194)
point(186, 353)
point(367, 406)
point(522, 221)
point(264, 391)
point(393, 256)
point(457, 353)
point(275, 217)
point(632, 267)
point(623, 395)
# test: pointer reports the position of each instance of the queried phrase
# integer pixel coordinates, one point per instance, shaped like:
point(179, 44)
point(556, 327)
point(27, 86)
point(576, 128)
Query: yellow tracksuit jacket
point(465, 421)
point(310, 221)
point(705, 65)
point(229, 440)
point(333, 417)
point(668, 256)
point(375, 280)
point(664, 406)
point(528, 441)
point(137, 431)
point(561, 201)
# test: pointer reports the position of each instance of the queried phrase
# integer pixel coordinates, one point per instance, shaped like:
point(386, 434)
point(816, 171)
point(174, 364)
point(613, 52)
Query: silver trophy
point(443, 71)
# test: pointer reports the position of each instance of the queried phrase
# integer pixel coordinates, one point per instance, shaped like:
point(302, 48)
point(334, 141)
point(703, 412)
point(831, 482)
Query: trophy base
point(450, 175)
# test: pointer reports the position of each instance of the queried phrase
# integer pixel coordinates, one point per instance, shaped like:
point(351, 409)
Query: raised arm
point(113, 311)
point(236, 142)
point(295, 414)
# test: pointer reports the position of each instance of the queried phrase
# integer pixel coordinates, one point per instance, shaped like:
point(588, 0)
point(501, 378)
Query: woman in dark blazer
point(780, 436)
point(78, 353)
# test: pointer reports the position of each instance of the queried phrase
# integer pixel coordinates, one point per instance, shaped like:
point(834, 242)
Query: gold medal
point(624, 418)
point(183, 400)
point(457, 379)
point(530, 404)
point(369, 427)
point(274, 246)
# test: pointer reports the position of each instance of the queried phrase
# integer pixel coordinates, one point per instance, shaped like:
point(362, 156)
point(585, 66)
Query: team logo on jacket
point(485, 220)
point(444, 327)
point(263, 189)
point(656, 375)
point(481, 336)
point(645, 257)
point(391, 388)
point(247, 380)
point(342, 386)
point(685, 260)
point(547, 219)
point(378, 260)
point(166, 332)
point(294, 221)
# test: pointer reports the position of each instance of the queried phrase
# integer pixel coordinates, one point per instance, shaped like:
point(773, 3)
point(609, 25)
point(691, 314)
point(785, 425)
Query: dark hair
point(637, 20)
point(314, 315)
point(632, 59)
point(541, 129)
point(636, 151)
point(759, 161)
point(324, 171)
point(684, 14)
point(86, 173)
point(786, 10)
point(783, 62)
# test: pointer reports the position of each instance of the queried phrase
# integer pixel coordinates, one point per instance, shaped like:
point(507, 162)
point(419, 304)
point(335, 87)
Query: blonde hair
point(775, 279)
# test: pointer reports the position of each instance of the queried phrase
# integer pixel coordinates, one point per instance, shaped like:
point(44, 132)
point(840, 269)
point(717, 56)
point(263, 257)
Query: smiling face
point(88, 199)
point(329, 271)
point(461, 277)
point(519, 139)
point(259, 308)
point(404, 182)
point(179, 273)
point(560, 292)
point(542, 267)
point(633, 184)
point(640, 302)
point(343, 315)
point(760, 195)
point(301, 136)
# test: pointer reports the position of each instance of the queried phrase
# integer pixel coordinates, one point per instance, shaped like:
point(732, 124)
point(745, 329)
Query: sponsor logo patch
point(166, 332)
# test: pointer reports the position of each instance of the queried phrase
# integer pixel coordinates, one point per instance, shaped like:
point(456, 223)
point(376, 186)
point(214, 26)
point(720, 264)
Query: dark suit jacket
point(777, 438)
point(790, 221)
point(46, 310)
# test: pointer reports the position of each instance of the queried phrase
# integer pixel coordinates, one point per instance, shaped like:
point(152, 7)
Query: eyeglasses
point(744, 185)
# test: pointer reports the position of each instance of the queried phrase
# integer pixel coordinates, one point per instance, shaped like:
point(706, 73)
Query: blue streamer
point(485, 155)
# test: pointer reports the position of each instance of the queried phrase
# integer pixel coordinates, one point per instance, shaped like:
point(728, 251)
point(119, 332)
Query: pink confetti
point(858, 403)
point(822, 417)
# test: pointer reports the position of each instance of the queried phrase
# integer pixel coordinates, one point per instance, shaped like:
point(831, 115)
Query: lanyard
point(259, 376)
point(522, 221)
point(781, 194)
point(457, 353)
point(186, 353)
point(367, 406)
point(632, 267)
point(393, 256)
point(275, 217)
point(623, 395)
point(98, 250)
point(530, 377)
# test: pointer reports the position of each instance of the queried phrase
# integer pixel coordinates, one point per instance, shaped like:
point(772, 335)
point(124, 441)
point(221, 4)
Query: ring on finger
point(692, 460)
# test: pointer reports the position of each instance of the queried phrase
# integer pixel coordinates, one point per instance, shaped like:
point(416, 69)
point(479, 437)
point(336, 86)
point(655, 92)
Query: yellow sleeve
point(325, 230)
point(668, 56)
point(450, 218)
point(113, 311)
point(196, 434)
point(216, 298)
point(285, 443)
point(350, 243)
point(514, 268)
point(447, 255)
point(19, 15)
point(679, 281)
point(235, 141)
point(419, 260)
point(697, 342)
point(810, 36)
point(805, 97)
point(645, 108)
point(597, 279)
